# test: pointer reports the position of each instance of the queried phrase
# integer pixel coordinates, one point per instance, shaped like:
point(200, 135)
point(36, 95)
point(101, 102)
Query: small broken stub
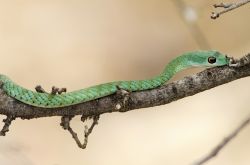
point(239, 62)
point(233, 62)
point(215, 15)
point(118, 106)
point(122, 99)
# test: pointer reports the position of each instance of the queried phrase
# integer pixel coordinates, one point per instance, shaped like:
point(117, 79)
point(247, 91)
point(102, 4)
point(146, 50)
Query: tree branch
point(188, 86)
point(123, 101)
point(223, 143)
point(228, 7)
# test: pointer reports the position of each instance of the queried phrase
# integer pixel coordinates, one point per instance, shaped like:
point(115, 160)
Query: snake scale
point(46, 100)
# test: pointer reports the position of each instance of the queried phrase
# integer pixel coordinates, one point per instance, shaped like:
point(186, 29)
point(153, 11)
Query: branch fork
point(65, 123)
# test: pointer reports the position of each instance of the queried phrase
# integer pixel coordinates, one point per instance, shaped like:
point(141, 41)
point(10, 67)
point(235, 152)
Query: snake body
point(46, 100)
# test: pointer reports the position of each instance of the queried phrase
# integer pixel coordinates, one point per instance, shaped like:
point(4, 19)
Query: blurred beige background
point(79, 43)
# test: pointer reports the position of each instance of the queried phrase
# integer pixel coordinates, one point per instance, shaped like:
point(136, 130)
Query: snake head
point(208, 59)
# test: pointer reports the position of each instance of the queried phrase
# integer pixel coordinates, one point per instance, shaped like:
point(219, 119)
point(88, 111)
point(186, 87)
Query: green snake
point(46, 100)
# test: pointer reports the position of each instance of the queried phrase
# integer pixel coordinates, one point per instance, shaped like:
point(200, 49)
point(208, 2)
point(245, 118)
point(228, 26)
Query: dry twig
point(65, 123)
point(227, 7)
point(223, 143)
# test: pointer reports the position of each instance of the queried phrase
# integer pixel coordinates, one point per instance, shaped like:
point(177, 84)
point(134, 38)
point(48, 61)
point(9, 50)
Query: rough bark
point(188, 86)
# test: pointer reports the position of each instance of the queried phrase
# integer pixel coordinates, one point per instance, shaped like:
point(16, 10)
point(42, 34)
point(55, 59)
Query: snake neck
point(178, 64)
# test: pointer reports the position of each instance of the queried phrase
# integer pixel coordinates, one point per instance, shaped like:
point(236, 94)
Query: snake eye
point(211, 60)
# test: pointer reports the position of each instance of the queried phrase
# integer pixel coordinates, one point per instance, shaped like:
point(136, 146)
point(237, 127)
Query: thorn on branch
point(65, 123)
point(7, 123)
